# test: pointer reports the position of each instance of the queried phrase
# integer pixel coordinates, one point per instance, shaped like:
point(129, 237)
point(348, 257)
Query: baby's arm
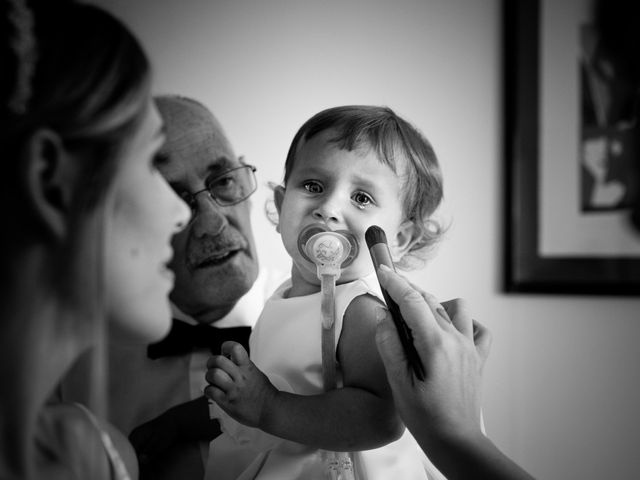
point(359, 416)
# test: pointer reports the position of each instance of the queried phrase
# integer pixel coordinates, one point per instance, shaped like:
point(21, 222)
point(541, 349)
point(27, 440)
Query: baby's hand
point(238, 386)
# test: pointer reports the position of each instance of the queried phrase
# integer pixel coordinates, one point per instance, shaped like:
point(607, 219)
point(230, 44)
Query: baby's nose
point(326, 213)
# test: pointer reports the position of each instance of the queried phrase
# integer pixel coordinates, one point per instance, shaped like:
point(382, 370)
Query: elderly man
point(156, 392)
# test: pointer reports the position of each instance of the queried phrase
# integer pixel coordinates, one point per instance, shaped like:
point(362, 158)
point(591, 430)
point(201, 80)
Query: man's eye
point(313, 187)
point(362, 199)
point(223, 182)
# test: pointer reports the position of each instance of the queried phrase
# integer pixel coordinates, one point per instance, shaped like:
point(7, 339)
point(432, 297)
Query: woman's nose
point(183, 214)
point(179, 210)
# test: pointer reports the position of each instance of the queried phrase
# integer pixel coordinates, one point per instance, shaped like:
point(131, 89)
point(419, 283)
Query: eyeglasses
point(228, 188)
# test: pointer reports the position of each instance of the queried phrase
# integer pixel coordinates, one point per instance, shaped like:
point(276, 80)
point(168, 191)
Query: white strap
point(115, 460)
point(328, 309)
point(340, 464)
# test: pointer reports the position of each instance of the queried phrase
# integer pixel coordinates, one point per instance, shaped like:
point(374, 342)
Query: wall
point(561, 387)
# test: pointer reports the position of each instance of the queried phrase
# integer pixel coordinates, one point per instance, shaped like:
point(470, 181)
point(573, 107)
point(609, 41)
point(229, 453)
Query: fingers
point(424, 314)
point(233, 355)
point(220, 372)
point(415, 310)
point(460, 316)
point(215, 394)
point(236, 353)
point(482, 339)
point(439, 312)
point(223, 371)
point(221, 382)
point(418, 289)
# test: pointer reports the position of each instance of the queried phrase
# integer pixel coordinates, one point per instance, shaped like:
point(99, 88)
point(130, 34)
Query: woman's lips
point(167, 273)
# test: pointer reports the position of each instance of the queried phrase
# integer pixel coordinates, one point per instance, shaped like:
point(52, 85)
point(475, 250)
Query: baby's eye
point(362, 199)
point(313, 187)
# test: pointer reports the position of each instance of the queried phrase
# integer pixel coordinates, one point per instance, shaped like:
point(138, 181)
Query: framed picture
point(571, 155)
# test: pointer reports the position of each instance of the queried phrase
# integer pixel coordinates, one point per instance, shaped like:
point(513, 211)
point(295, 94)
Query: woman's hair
point(398, 145)
point(75, 70)
point(89, 83)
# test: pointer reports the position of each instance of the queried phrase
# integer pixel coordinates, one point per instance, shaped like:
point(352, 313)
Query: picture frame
point(551, 245)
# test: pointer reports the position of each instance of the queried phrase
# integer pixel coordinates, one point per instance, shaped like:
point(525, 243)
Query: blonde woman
point(87, 227)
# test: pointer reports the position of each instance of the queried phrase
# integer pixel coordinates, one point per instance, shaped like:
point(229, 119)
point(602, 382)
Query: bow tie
point(184, 338)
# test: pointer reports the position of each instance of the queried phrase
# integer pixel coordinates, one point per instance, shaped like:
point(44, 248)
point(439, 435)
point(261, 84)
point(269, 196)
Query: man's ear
point(405, 238)
point(49, 180)
point(278, 198)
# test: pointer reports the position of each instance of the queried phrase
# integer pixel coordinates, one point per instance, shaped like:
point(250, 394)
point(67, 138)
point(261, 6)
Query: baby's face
point(344, 191)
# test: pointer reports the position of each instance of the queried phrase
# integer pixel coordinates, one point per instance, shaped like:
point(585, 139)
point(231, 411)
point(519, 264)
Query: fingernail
point(381, 314)
point(443, 313)
point(384, 268)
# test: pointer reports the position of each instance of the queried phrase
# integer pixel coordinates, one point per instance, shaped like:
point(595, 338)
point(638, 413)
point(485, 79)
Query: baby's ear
point(405, 238)
point(278, 198)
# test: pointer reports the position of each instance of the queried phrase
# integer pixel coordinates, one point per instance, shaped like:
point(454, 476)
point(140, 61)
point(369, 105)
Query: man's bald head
point(185, 118)
point(214, 257)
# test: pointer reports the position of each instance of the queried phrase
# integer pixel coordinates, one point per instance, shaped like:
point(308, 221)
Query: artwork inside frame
point(570, 156)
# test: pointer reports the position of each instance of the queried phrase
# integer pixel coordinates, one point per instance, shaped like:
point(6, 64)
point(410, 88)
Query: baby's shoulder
point(358, 294)
point(362, 309)
point(357, 352)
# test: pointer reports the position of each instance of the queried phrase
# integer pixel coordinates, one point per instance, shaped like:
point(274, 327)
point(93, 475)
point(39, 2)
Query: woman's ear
point(278, 198)
point(405, 238)
point(49, 181)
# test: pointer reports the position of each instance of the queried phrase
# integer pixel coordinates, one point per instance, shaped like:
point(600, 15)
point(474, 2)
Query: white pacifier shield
point(326, 247)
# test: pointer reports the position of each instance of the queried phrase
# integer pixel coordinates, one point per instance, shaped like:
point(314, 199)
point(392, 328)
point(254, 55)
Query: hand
point(238, 386)
point(443, 412)
point(453, 349)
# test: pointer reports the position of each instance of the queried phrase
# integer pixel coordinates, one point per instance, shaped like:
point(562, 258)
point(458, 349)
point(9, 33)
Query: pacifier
point(329, 250)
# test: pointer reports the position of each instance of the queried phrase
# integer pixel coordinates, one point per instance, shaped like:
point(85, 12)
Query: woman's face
point(146, 214)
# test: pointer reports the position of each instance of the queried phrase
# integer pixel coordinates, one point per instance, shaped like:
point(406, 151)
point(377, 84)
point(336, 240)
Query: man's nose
point(208, 216)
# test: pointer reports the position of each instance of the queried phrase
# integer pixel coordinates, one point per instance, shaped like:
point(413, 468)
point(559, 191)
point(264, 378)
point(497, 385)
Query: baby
point(347, 168)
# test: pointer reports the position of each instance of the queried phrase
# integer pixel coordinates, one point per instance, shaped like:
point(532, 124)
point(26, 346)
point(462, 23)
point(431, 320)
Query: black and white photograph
point(336, 240)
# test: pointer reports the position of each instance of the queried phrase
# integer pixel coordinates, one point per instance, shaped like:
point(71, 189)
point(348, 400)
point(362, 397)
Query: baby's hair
point(401, 147)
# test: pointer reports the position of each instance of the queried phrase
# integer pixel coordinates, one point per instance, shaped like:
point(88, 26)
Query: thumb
point(235, 352)
point(389, 346)
point(240, 355)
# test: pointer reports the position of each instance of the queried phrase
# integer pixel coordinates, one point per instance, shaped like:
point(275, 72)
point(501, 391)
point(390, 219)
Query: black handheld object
point(379, 250)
